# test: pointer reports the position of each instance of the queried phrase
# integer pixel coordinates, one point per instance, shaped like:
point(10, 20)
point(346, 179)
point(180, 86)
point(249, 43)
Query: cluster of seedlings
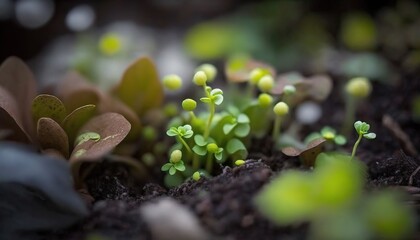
point(82, 124)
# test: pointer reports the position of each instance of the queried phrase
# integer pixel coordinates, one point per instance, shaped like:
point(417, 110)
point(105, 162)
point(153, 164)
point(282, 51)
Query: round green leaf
point(370, 135)
point(242, 118)
point(199, 140)
point(166, 167)
point(200, 150)
point(234, 145)
point(49, 106)
point(227, 128)
point(242, 130)
point(340, 140)
point(180, 166)
point(172, 170)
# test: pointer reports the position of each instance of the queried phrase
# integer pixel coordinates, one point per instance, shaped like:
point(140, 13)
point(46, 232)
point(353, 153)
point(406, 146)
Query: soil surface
point(224, 203)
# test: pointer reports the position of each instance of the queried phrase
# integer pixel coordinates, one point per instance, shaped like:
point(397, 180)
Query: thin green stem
point(180, 139)
point(192, 117)
point(209, 163)
point(212, 111)
point(276, 128)
point(353, 153)
point(196, 162)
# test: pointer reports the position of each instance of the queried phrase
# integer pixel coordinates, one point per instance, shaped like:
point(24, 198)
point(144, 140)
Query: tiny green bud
point(170, 110)
point(209, 69)
point(189, 104)
point(176, 156)
point(172, 82)
point(200, 78)
point(359, 87)
point(239, 162)
point(289, 89)
point(256, 74)
point(266, 83)
point(264, 100)
point(196, 176)
point(281, 109)
point(212, 147)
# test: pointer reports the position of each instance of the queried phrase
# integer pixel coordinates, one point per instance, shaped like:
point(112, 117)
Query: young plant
point(356, 90)
point(329, 134)
point(280, 110)
point(180, 133)
point(362, 130)
point(175, 163)
point(331, 198)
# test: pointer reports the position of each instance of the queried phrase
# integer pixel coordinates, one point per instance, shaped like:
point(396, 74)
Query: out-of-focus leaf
point(140, 87)
point(50, 106)
point(111, 104)
point(320, 87)
point(51, 135)
point(358, 32)
point(10, 118)
point(37, 192)
point(112, 127)
point(75, 120)
point(18, 79)
point(75, 91)
point(238, 68)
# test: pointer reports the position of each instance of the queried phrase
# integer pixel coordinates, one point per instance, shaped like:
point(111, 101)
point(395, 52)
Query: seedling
point(180, 133)
point(175, 163)
point(329, 134)
point(239, 162)
point(196, 176)
point(280, 110)
point(362, 130)
point(213, 97)
point(356, 89)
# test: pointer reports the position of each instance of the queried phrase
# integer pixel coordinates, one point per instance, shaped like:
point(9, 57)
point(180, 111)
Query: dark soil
point(224, 203)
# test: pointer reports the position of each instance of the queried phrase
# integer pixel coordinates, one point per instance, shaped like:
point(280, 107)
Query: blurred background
point(376, 39)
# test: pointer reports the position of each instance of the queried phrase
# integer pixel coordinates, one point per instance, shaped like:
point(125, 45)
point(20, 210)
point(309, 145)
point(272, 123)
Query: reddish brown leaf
point(112, 127)
point(308, 156)
point(18, 79)
point(76, 91)
point(10, 117)
point(52, 136)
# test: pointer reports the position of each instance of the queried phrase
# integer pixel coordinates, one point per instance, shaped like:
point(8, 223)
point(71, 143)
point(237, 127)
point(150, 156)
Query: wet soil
point(224, 203)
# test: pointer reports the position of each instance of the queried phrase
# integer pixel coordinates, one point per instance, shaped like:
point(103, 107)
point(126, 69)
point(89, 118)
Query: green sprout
point(266, 83)
point(213, 97)
point(239, 162)
point(280, 110)
point(356, 89)
point(207, 147)
point(175, 163)
point(180, 133)
point(196, 176)
point(329, 134)
point(362, 130)
point(189, 105)
point(172, 82)
point(265, 100)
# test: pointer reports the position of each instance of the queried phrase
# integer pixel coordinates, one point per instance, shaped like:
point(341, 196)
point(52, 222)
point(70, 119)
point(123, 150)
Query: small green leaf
point(242, 130)
point(200, 150)
point(219, 155)
point(327, 130)
point(199, 140)
point(369, 135)
point(340, 140)
point(227, 128)
point(172, 132)
point(79, 153)
point(172, 170)
point(180, 166)
point(218, 99)
point(357, 126)
point(166, 167)
point(311, 137)
point(234, 145)
point(242, 118)
point(205, 100)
